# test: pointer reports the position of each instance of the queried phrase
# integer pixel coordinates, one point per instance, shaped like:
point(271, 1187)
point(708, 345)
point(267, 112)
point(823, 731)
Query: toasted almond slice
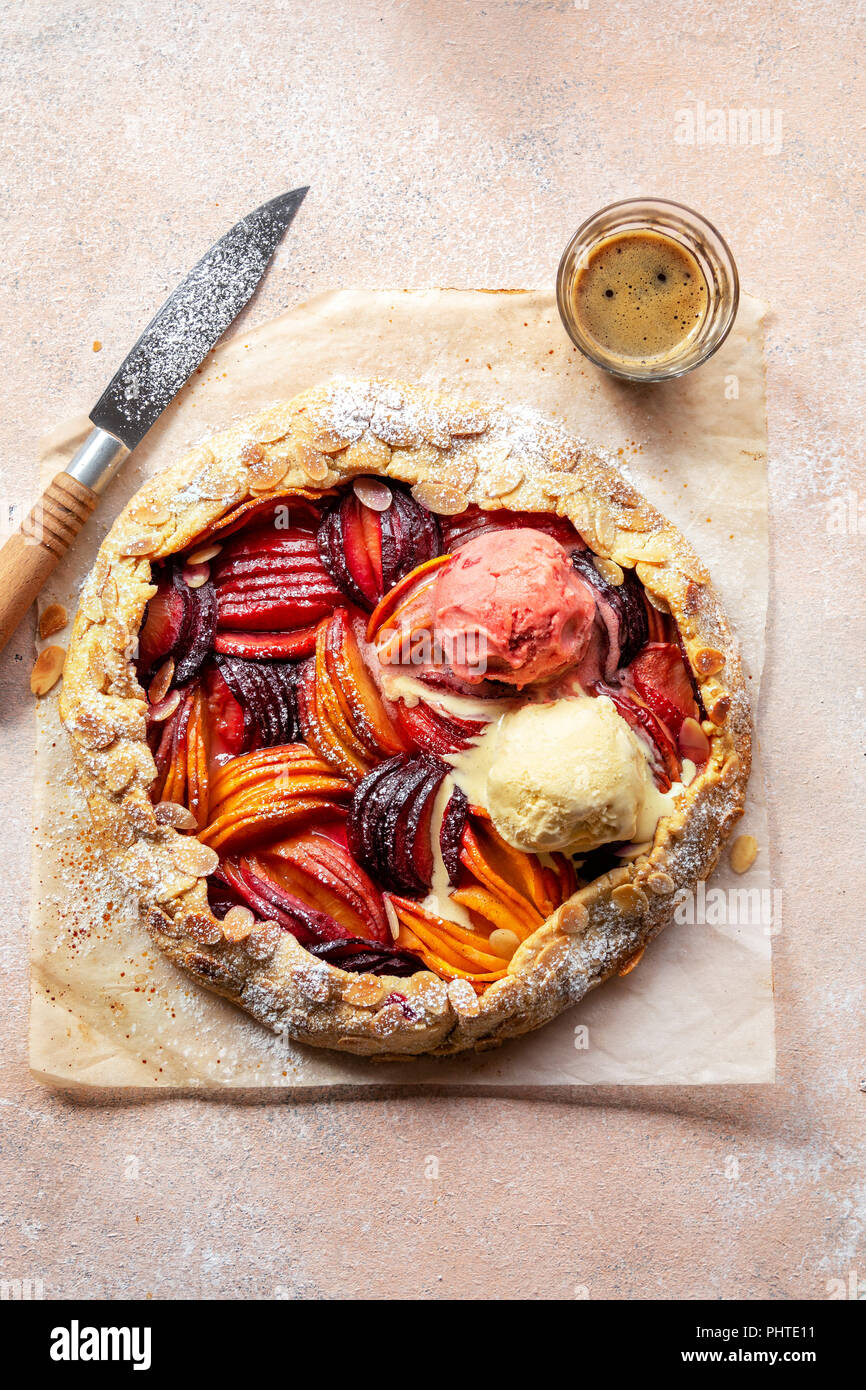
point(143, 544)
point(440, 498)
point(365, 992)
point(718, 710)
point(393, 919)
point(628, 898)
point(173, 814)
point(458, 473)
point(573, 919)
point(52, 620)
point(328, 441)
point(709, 661)
point(194, 576)
point(207, 552)
point(660, 883)
point(166, 707)
point(91, 607)
point(504, 478)
point(151, 511)
point(269, 472)
point(744, 851)
point(503, 942)
point(373, 493)
point(238, 923)
point(158, 688)
point(463, 998)
point(202, 927)
point(313, 463)
point(609, 570)
point(192, 857)
point(47, 670)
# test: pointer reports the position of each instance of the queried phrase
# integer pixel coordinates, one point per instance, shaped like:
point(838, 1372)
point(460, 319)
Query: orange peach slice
point(396, 596)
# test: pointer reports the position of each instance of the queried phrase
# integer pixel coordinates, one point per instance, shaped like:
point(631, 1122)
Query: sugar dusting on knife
point(192, 320)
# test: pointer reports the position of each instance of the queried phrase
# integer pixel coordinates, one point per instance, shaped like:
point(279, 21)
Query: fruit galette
point(405, 718)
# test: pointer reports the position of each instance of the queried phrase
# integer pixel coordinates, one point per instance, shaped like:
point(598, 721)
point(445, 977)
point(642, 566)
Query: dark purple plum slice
point(451, 832)
point(198, 639)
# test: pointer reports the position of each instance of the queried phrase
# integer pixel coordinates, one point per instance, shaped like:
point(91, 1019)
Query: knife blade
point(175, 342)
point(191, 321)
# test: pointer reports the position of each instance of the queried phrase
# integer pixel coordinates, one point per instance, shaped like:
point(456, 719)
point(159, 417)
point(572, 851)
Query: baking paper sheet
point(109, 1011)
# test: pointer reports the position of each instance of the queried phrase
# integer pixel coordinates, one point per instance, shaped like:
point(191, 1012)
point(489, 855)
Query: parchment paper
point(109, 1011)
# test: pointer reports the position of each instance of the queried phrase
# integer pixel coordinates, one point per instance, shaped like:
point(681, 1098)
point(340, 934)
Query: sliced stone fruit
point(368, 549)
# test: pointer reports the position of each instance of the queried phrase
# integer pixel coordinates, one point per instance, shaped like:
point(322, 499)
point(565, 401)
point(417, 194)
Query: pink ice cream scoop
point(512, 608)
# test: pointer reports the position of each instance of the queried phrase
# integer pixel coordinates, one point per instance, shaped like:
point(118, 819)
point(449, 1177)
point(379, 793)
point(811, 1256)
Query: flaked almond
point(440, 499)
point(463, 998)
point(47, 670)
point(731, 770)
point(109, 593)
point(628, 898)
point(708, 661)
point(238, 923)
point(152, 512)
point(660, 883)
point(659, 604)
point(365, 992)
point(328, 441)
point(632, 962)
point(207, 552)
point(166, 707)
point(313, 463)
point(744, 851)
point(194, 576)
point(96, 668)
point(393, 919)
point(373, 493)
point(503, 942)
point(268, 473)
point(158, 688)
point(718, 710)
point(121, 765)
point(264, 940)
point(53, 619)
point(458, 473)
point(143, 544)
point(693, 742)
point(192, 857)
point(609, 570)
point(467, 422)
point(173, 814)
point(503, 478)
point(91, 607)
point(573, 919)
point(203, 928)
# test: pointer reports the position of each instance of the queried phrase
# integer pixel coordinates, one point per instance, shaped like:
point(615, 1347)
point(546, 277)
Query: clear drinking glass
point(706, 245)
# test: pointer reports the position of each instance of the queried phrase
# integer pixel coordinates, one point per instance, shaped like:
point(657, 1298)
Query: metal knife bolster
point(97, 460)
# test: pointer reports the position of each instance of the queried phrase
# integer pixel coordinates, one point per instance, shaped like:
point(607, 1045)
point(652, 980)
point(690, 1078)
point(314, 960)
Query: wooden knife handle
point(30, 555)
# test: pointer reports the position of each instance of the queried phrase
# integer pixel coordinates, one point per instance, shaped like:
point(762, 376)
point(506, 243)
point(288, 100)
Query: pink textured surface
point(460, 145)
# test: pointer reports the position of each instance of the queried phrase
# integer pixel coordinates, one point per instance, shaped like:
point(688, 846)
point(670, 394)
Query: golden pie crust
point(452, 454)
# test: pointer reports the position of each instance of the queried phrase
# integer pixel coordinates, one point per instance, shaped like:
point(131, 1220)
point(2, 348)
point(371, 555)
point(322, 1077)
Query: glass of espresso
point(647, 289)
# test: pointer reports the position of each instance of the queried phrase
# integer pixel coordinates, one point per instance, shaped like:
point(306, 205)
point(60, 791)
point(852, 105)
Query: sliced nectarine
point(396, 597)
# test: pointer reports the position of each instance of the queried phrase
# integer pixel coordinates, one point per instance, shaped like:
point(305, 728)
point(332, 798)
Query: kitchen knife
point(174, 343)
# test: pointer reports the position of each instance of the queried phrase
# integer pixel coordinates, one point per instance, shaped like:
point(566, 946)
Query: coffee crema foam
point(641, 296)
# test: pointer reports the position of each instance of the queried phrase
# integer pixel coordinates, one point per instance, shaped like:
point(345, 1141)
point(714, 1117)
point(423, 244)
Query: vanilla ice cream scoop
point(566, 775)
